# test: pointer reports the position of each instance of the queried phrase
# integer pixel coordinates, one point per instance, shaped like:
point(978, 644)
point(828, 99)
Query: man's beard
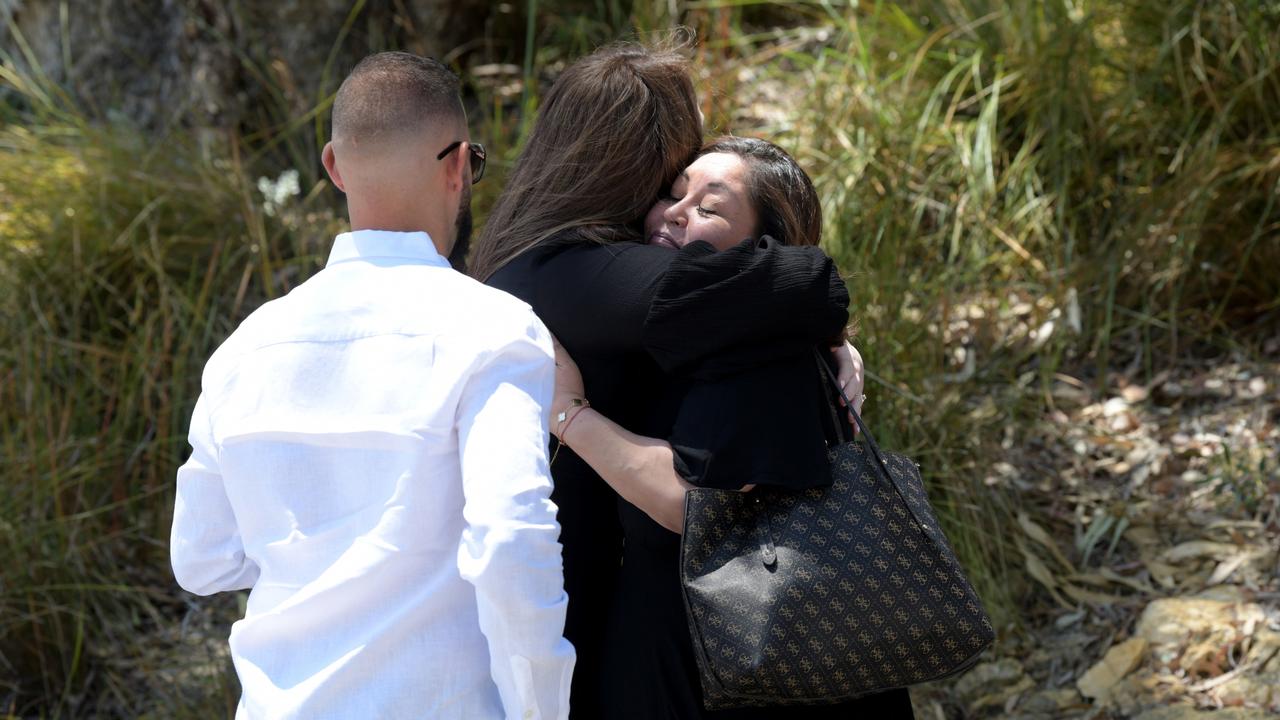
point(462, 233)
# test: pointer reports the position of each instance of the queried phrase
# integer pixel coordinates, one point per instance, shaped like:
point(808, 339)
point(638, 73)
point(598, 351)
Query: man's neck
point(405, 223)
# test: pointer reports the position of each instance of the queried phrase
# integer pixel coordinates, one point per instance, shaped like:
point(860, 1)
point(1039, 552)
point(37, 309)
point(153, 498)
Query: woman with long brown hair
point(756, 425)
point(566, 236)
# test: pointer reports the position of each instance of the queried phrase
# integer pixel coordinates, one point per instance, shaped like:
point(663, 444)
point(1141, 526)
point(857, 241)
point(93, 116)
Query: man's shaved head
point(395, 96)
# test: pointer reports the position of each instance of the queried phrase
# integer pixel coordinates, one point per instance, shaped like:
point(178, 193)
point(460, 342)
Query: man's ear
point(460, 167)
point(330, 162)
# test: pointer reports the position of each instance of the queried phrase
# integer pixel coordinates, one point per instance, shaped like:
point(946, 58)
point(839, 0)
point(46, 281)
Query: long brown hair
point(612, 133)
point(781, 192)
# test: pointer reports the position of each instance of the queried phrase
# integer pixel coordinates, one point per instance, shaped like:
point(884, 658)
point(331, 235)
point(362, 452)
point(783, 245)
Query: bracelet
point(579, 403)
point(573, 403)
point(565, 429)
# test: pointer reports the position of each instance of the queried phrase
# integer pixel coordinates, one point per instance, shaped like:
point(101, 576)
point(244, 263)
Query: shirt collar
point(364, 244)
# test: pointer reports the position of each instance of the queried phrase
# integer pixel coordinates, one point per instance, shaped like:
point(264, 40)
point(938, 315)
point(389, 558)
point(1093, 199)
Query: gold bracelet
point(573, 403)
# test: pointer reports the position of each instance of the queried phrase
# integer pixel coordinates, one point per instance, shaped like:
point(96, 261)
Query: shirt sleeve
point(696, 311)
point(716, 314)
point(509, 549)
point(205, 546)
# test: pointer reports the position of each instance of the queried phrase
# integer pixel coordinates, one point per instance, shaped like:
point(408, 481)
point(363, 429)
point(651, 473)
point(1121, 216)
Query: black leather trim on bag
point(823, 595)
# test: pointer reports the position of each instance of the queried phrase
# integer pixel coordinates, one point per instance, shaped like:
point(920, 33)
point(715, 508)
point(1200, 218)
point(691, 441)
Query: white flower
point(276, 193)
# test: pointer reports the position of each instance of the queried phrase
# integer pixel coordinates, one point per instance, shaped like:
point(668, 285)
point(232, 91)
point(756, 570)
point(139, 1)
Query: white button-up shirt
point(369, 456)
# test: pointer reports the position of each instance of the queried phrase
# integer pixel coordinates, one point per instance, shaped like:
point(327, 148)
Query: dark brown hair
point(391, 95)
point(780, 191)
point(613, 131)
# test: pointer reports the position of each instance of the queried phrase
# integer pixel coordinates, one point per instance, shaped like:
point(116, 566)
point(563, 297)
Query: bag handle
point(925, 525)
point(862, 427)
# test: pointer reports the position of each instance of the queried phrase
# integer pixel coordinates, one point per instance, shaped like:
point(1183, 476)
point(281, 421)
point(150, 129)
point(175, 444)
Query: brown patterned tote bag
point(800, 597)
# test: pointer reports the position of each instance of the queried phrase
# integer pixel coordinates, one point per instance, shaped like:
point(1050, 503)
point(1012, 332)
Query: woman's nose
point(674, 214)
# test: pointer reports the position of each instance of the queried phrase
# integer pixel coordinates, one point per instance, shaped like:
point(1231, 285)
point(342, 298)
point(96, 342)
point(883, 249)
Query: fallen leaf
point(1119, 661)
point(1037, 570)
point(1116, 577)
point(1199, 549)
point(1040, 535)
point(1230, 565)
point(1161, 572)
point(1089, 596)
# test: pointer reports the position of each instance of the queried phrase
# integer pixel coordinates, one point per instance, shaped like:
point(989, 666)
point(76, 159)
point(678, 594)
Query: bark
point(215, 63)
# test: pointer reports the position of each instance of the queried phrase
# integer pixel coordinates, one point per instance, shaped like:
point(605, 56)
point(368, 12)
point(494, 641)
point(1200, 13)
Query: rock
point(1170, 624)
point(1257, 689)
point(999, 699)
point(991, 686)
point(1134, 394)
point(1192, 633)
point(1050, 702)
point(1141, 690)
point(1119, 661)
point(1182, 712)
point(158, 63)
point(982, 678)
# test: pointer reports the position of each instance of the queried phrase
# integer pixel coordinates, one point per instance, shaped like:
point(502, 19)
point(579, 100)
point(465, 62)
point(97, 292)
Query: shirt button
point(528, 714)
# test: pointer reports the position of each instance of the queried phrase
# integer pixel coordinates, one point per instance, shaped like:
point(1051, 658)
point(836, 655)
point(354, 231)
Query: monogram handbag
point(804, 597)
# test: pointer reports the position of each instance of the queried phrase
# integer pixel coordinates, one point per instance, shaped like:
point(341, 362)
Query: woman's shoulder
point(586, 264)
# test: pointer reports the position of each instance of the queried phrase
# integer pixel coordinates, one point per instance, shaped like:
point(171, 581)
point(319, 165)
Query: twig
point(1226, 677)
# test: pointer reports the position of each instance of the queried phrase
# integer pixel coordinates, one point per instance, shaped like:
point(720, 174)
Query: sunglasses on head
point(477, 158)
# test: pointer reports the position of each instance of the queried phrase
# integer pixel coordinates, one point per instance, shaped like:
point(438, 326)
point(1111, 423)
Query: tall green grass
point(123, 264)
point(1022, 188)
point(1016, 189)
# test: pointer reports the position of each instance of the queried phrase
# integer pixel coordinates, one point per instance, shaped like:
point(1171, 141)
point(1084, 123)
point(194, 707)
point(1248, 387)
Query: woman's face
point(708, 201)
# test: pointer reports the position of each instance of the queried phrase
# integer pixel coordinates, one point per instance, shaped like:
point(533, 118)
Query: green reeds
point(1019, 187)
point(123, 266)
point(1014, 188)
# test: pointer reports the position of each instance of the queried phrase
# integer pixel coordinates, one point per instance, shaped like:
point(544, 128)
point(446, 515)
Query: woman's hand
point(849, 374)
point(569, 386)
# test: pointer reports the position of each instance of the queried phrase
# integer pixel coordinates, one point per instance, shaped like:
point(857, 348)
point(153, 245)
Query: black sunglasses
point(477, 158)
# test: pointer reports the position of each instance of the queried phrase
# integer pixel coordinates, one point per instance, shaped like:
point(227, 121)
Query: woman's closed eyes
point(710, 201)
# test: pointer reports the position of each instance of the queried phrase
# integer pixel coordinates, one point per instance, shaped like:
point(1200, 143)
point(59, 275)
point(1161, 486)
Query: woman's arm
point(640, 469)
point(716, 314)
point(697, 312)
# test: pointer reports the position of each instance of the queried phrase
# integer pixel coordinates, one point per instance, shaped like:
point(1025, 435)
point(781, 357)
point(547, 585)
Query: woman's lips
point(663, 239)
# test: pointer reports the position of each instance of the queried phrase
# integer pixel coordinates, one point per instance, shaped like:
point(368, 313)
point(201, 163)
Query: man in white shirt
point(369, 451)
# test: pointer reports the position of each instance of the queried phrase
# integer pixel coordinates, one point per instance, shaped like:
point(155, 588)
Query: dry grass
point(1020, 192)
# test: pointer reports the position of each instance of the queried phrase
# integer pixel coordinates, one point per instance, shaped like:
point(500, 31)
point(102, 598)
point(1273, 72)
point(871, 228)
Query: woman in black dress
point(614, 131)
point(758, 424)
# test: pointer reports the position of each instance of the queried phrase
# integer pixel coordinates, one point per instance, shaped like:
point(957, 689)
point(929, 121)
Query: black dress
point(703, 348)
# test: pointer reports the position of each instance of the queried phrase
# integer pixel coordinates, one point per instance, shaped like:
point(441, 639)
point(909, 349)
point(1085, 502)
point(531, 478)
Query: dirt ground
point(1156, 544)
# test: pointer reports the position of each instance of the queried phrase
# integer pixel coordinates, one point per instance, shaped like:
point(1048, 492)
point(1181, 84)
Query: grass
point(1020, 188)
point(123, 266)
point(1017, 189)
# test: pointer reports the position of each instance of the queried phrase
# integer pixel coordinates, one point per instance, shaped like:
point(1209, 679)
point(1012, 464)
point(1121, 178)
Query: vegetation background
point(1058, 218)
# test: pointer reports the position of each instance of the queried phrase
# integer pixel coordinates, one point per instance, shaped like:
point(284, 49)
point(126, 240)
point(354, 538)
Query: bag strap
point(927, 526)
point(862, 427)
point(839, 430)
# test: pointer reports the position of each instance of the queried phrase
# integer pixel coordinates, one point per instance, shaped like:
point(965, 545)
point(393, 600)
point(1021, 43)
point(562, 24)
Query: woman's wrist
point(564, 430)
point(563, 419)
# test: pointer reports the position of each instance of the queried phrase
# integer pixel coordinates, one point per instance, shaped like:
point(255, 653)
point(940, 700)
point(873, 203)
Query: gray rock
point(1181, 712)
point(163, 62)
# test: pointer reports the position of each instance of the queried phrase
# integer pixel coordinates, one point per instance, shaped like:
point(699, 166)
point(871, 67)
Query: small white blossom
point(276, 193)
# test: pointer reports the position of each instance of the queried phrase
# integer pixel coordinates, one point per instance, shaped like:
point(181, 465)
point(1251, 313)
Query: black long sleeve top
point(711, 350)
